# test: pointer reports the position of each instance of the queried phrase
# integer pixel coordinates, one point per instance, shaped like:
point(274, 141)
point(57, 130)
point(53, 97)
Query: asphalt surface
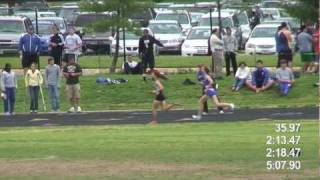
point(143, 117)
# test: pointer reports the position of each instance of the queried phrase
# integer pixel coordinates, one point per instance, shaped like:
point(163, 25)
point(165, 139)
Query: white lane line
point(287, 114)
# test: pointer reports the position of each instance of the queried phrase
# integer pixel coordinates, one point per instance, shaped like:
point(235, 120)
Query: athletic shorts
point(287, 55)
point(160, 97)
point(73, 91)
point(211, 92)
point(28, 59)
point(307, 57)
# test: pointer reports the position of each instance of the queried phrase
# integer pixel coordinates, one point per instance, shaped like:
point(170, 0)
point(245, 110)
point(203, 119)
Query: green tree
point(121, 11)
point(305, 10)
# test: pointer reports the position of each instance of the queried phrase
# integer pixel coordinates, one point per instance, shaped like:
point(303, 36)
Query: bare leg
point(167, 107)
point(155, 106)
point(251, 86)
point(220, 104)
point(268, 85)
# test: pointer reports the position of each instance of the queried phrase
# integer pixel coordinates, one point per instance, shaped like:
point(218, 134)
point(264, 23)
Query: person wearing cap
point(52, 80)
point(29, 46)
point(56, 44)
point(283, 43)
point(284, 77)
point(146, 44)
point(72, 45)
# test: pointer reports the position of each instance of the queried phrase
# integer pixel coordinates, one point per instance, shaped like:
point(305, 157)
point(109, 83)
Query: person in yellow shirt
point(33, 81)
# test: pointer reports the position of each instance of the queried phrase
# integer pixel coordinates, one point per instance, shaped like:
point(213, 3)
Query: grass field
point(164, 61)
point(201, 151)
point(133, 95)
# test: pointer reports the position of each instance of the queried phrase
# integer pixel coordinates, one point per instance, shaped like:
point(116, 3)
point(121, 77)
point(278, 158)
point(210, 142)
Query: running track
point(143, 117)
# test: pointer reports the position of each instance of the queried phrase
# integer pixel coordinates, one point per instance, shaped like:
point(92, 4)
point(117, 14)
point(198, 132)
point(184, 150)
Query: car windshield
point(196, 17)
point(165, 28)
point(226, 22)
point(87, 19)
point(271, 4)
point(272, 12)
point(264, 32)
point(243, 18)
point(44, 29)
point(181, 18)
point(69, 13)
point(129, 36)
point(15, 27)
point(199, 34)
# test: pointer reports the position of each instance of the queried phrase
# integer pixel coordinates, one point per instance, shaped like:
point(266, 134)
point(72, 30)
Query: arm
point(2, 83)
point(62, 40)
point(79, 71)
point(235, 41)
point(140, 45)
point(160, 85)
point(26, 79)
point(266, 76)
point(59, 76)
point(254, 77)
point(79, 42)
point(157, 42)
point(46, 76)
point(21, 44)
point(16, 81)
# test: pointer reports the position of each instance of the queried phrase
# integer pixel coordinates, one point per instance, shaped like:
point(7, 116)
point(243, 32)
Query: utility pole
point(219, 18)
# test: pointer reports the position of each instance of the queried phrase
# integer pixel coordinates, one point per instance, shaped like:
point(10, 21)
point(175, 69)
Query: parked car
point(169, 33)
point(271, 3)
point(56, 9)
point(30, 4)
point(32, 14)
point(143, 17)
point(195, 17)
point(183, 18)
point(271, 13)
point(131, 43)
point(70, 13)
point(196, 42)
point(44, 32)
point(228, 20)
point(162, 6)
point(262, 39)
point(11, 29)
point(93, 40)
point(60, 22)
point(4, 11)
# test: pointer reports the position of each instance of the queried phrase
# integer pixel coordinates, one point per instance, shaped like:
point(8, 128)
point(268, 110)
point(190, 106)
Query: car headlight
point(251, 45)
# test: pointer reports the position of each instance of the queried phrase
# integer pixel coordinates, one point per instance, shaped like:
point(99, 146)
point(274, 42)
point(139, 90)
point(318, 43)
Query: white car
point(131, 43)
point(169, 33)
point(32, 15)
point(183, 18)
point(60, 22)
point(196, 42)
point(274, 13)
point(262, 39)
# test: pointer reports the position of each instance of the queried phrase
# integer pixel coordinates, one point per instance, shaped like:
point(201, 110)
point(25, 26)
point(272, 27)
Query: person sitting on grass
point(33, 81)
point(210, 93)
point(260, 78)
point(8, 86)
point(159, 100)
point(242, 74)
point(72, 72)
point(285, 78)
point(131, 66)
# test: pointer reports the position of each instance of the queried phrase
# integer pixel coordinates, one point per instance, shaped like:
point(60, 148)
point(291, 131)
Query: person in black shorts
point(160, 98)
point(56, 45)
point(29, 46)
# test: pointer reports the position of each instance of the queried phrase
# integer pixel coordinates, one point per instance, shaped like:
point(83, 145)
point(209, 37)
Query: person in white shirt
point(216, 45)
point(242, 74)
point(73, 45)
point(131, 66)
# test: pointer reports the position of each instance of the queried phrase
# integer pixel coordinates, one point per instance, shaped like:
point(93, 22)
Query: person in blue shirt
point(260, 78)
point(29, 47)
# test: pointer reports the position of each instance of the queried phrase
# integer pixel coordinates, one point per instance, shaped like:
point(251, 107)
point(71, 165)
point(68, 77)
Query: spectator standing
point(8, 87)
point(284, 41)
point(52, 80)
point(56, 44)
point(72, 45)
point(241, 76)
point(260, 78)
point(305, 48)
point(285, 78)
point(216, 45)
point(146, 44)
point(72, 72)
point(230, 48)
point(29, 46)
point(33, 81)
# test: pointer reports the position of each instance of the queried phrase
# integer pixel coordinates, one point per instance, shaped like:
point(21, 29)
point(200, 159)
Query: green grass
point(133, 95)
point(221, 150)
point(163, 61)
